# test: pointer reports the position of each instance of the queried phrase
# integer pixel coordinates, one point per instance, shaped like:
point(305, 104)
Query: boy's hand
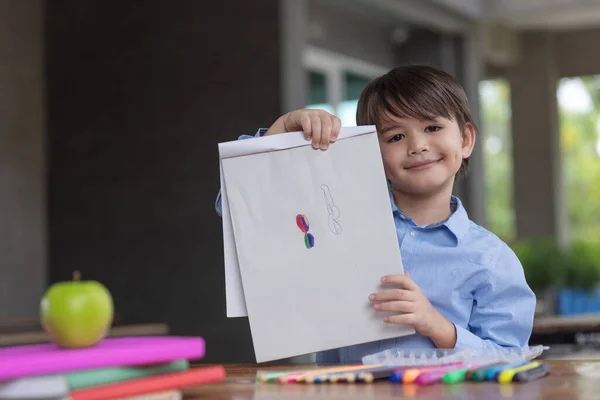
point(319, 125)
point(414, 309)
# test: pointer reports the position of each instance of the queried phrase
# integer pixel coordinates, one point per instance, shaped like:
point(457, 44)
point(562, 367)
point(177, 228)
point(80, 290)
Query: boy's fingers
point(405, 319)
point(391, 294)
point(325, 132)
point(395, 306)
point(335, 128)
point(315, 123)
point(399, 279)
point(306, 126)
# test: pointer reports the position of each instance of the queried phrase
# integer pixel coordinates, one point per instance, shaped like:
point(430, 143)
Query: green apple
point(77, 313)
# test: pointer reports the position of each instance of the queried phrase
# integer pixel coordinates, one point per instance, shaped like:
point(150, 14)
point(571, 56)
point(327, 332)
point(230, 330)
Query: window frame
point(333, 66)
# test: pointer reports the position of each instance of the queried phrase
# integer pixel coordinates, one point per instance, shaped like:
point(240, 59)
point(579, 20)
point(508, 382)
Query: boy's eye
point(433, 128)
point(397, 137)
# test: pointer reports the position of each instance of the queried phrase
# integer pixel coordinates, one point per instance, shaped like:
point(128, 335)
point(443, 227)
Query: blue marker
point(397, 376)
point(492, 373)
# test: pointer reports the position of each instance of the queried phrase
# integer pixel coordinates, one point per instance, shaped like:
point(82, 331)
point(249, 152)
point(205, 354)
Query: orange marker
point(409, 375)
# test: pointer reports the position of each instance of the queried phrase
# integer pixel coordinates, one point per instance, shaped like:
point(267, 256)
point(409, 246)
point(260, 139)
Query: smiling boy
point(463, 286)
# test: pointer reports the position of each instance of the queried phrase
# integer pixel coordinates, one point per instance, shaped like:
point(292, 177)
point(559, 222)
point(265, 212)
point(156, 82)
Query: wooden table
point(569, 380)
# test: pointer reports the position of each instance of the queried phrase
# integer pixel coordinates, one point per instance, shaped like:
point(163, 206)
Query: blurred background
point(111, 111)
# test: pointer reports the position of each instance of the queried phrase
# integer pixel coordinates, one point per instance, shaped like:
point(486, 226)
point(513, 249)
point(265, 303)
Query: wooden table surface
point(568, 380)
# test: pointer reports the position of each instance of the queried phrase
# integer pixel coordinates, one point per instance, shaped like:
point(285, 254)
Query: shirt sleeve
point(328, 357)
point(503, 310)
point(258, 133)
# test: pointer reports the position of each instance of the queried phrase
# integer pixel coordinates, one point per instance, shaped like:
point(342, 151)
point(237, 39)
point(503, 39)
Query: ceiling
point(458, 16)
point(528, 14)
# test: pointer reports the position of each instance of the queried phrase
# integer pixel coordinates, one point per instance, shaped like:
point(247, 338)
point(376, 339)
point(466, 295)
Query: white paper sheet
point(234, 293)
point(303, 299)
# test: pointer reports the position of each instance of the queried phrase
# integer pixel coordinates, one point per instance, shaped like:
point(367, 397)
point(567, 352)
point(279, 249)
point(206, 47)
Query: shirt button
point(413, 233)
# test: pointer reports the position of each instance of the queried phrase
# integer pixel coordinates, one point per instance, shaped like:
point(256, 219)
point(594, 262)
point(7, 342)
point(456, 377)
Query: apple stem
point(76, 275)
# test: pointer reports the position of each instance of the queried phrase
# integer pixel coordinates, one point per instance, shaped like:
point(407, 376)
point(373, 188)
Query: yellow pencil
point(309, 376)
point(345, 375)
point(292, 376)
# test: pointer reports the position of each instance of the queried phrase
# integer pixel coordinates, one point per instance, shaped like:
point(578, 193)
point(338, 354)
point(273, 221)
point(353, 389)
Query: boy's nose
point(417, 146)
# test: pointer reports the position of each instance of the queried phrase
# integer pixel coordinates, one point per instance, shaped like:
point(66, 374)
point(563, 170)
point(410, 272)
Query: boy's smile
point(421, 165)
point(423, 157)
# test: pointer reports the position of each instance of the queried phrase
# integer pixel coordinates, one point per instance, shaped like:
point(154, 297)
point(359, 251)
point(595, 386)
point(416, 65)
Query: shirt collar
point(458, 223)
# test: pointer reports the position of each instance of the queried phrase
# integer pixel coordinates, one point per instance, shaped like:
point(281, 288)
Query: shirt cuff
point(258, 133)
point(328, 357)
point(261, 131)
point(466, 339)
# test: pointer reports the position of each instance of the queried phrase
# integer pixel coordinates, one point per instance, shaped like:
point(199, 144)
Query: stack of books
point(152, 367)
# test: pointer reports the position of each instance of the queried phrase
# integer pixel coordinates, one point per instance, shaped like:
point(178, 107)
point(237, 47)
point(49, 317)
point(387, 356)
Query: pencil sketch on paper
point(332, 210)
point(304, 225)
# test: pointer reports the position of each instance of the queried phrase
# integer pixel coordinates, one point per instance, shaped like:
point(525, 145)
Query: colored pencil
point(325, 377)
point(371, 376)
point(271, 376)
point(364, 375)
point(165, 395)
point(449, 373)
point(307, 376)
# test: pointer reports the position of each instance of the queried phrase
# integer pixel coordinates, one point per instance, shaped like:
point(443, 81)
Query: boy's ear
point(469, 137)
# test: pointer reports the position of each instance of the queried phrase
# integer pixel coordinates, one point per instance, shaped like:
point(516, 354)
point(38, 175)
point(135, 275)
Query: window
point(336, 81)
point(353, 85)
point(497, 157)
point(317, 97)
point(579, 108)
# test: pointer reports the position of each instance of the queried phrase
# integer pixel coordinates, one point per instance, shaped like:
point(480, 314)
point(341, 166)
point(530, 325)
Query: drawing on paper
point(332, 210)
point(304, 225)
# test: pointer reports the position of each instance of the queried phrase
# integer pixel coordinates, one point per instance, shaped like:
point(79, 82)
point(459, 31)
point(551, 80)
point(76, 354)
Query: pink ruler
point(44, 359)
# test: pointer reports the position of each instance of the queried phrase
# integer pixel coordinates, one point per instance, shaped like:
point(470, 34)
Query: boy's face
point(423, 157)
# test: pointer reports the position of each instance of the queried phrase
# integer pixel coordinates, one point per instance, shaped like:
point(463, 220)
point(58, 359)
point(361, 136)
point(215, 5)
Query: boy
point(463, 287)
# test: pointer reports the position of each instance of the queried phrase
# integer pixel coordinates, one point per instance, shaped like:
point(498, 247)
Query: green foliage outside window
point(546, 265)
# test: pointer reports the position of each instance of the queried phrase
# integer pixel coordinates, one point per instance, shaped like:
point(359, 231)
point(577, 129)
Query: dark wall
point(139, 94)
point(422, 47)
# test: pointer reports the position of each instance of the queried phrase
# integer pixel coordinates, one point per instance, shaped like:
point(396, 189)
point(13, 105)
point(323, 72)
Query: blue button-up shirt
point(468, 274)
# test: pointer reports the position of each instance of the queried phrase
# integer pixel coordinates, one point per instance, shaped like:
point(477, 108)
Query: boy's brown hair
point(414, 91)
